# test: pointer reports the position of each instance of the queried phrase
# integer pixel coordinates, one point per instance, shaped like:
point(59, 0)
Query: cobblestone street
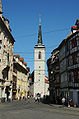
point(24, 110)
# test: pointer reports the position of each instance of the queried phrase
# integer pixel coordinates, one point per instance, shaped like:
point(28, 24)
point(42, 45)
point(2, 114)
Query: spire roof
point(40, 33)
point(39, 21)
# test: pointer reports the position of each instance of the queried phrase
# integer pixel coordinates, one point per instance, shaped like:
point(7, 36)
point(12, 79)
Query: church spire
point(39, 33)
point(0, 9)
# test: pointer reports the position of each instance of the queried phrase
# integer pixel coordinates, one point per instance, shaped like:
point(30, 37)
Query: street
point(31, 110)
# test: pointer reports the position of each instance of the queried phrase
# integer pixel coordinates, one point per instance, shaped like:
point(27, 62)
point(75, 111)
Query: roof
point(4, 27)
point(69, 35)
point(18, 56)
point(28, 69)
point(5, 19)
point(22, 59)
point(72, 34)
point(74, 27)
point(56, 49)
point(25, 63)
point(77, 22)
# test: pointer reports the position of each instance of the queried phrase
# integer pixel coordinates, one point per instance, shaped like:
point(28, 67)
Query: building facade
point(46, 90)
point(72, 56)
point(6, 57)
point(39, 65)
point(68, 67)
point(53, 75)
point(20, 78)
point(63, 69)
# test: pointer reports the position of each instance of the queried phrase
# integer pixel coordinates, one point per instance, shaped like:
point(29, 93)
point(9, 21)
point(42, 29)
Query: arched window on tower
point(39, 55)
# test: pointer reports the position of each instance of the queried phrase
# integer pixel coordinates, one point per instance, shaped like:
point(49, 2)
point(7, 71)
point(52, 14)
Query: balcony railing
point(73, 50)
point(73, 66)
point(64, 84)
point(73, 84)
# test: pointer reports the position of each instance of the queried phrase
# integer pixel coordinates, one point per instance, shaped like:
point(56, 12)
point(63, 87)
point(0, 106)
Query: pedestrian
point(35, 98)
point(9, 98)
point(28, 98)
point(20, 97)
point(25, 98)
point(63, 101)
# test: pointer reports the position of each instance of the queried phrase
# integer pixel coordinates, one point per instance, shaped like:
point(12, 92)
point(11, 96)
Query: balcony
point(67, 53)
point(64, 84)
point(74, 50)
point(57, 85)
point(73, 67)
point(73, 85)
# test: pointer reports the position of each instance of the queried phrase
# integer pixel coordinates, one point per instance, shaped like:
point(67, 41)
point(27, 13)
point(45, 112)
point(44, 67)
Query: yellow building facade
point(20, 78)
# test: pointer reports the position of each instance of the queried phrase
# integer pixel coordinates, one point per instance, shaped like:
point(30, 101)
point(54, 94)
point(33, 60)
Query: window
point(74, 58)
point(0, 41)
point(39, 55)
point(74, 43)
point(8, 58)
point(39, 67)
point(4, 46)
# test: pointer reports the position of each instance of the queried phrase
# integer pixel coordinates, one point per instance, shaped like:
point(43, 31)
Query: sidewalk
point(65, 108)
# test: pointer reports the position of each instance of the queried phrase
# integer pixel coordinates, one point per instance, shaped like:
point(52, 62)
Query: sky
point(57, 17)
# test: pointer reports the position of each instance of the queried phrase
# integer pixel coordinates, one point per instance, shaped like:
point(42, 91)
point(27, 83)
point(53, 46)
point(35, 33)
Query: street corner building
point(68, 68)
point(6, 57)
point(14, 72)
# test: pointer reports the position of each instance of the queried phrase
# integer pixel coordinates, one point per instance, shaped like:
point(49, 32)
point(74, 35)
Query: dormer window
point(39, 55)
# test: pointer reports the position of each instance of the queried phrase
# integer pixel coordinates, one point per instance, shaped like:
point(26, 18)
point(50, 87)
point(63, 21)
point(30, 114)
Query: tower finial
point(0, 9)
point(40, 19)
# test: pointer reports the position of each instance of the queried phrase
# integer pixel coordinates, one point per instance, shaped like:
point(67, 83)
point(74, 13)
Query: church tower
point(39, 65)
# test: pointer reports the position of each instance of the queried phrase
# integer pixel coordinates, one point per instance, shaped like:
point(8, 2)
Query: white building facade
point(39, 66)
point(6, 58)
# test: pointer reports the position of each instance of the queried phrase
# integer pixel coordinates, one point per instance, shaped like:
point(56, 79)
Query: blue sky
point(57, 18)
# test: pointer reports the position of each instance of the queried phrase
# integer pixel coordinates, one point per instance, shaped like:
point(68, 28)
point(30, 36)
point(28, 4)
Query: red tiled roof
point(22, 59)
point(18, 56)
point(28, 69)
point(25, 63)
point(69, 35)
point(74, 27)
point(5, 19)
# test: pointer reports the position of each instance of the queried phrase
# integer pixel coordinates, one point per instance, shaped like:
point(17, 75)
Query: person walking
point(63, 101)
